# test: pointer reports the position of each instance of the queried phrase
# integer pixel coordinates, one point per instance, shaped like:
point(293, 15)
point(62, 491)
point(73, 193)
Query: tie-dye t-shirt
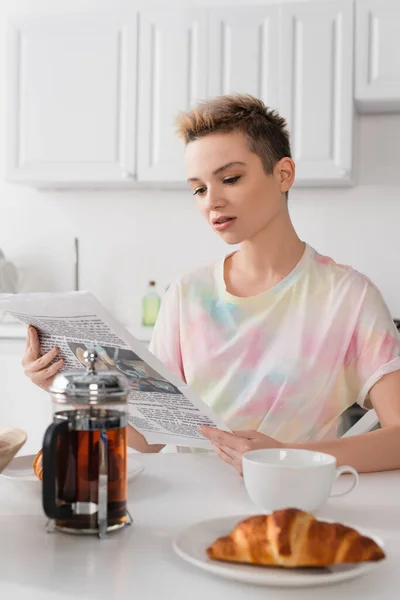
point(286, 362)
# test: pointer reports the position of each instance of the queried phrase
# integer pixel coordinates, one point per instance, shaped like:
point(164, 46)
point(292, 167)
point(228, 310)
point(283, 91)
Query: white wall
point(129, 237)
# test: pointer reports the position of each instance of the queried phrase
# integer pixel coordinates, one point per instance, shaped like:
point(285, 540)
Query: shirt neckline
point(285, 283)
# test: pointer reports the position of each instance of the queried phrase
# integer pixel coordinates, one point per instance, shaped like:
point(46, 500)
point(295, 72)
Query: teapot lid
point(91, 387)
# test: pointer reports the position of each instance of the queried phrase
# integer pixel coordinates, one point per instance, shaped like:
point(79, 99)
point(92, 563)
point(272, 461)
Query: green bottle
point(150, 305)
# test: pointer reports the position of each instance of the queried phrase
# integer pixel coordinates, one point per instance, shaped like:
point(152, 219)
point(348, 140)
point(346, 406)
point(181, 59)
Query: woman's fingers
point(33, 365)
point(34, 342)
point(45, 376)
point(227, 457)
point(40, 369)
point(234, 455)
point(220, 438)
point(32, 347)
point(28, 338)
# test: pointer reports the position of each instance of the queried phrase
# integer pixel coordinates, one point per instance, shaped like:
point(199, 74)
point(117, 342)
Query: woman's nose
point(213, 200)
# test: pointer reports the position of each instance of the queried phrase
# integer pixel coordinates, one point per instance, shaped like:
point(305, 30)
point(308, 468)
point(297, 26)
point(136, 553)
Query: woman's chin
point(231, 238)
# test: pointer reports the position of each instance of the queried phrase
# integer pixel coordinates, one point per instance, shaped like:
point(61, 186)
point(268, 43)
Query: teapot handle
point(49, 472)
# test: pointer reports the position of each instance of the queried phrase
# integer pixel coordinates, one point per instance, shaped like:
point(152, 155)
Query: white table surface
point(173, 491)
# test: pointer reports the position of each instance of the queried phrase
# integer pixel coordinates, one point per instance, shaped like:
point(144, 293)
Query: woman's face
point(235, 195)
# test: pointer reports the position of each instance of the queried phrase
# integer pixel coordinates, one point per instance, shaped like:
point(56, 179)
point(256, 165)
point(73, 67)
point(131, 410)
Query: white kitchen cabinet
point(71, 99)
point(92, 99)
point(316, 88)
point(378, 55)
point(172, 77)
point(243, 52)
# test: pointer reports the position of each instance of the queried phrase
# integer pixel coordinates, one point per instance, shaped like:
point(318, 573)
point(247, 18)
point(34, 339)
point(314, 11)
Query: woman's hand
point(138, 442)
point(39, 368)
point(231, 446)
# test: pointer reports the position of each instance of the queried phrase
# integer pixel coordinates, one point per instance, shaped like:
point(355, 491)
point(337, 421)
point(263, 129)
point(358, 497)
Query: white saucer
point(192, 542)
point(20, 468)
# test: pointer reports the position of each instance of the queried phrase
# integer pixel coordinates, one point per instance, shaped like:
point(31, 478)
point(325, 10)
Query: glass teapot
point(85, 452)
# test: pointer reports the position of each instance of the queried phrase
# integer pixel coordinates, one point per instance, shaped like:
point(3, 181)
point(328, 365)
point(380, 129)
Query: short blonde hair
point(265, 130)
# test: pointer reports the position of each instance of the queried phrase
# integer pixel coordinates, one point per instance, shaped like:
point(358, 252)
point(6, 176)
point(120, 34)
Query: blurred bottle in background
point(150, 305)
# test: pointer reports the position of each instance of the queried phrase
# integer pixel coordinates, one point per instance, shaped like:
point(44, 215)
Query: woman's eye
point(199, 191)
point(232, 180)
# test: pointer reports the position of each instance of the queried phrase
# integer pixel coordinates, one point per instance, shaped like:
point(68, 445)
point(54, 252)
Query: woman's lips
point(224, 225)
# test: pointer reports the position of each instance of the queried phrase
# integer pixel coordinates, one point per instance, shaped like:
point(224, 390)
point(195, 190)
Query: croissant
point(293, 538)
point(38, 465)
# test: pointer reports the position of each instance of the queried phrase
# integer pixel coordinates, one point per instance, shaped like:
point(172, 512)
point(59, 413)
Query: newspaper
point(161, 406)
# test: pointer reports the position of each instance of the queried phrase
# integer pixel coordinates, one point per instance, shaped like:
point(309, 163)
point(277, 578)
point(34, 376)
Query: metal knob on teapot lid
point(91, 387)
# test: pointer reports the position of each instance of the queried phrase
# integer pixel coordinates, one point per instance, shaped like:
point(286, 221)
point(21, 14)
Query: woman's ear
point(286, 172)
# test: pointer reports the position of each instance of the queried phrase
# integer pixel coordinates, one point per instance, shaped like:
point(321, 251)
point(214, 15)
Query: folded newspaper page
point(161, 406)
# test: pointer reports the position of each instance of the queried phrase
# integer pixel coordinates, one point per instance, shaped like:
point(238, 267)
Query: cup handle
point(339, 472)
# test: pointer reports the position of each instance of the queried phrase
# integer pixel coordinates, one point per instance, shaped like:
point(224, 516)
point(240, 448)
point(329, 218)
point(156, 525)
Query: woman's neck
point(264, 260)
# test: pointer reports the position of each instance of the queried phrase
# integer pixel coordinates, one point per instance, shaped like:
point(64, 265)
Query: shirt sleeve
point(165, 341)
point(374, 349)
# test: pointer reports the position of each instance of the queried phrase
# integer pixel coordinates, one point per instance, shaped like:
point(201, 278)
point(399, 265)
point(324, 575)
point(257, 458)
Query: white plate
point(20, 468)
point(192, 542)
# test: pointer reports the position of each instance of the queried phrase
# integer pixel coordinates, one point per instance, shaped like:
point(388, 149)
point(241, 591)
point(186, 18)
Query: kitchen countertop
point(174, 491)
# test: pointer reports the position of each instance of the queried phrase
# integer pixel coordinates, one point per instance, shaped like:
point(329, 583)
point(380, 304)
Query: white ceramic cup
point(290, 478)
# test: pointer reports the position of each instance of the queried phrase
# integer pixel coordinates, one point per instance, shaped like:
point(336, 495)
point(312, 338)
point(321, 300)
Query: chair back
point(363, 425)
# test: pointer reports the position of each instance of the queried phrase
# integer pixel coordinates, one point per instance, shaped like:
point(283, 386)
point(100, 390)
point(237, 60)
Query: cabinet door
point(378, 55)
point(244, 50)
point(172, 77)
point(72, 98)
point(316, 92)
